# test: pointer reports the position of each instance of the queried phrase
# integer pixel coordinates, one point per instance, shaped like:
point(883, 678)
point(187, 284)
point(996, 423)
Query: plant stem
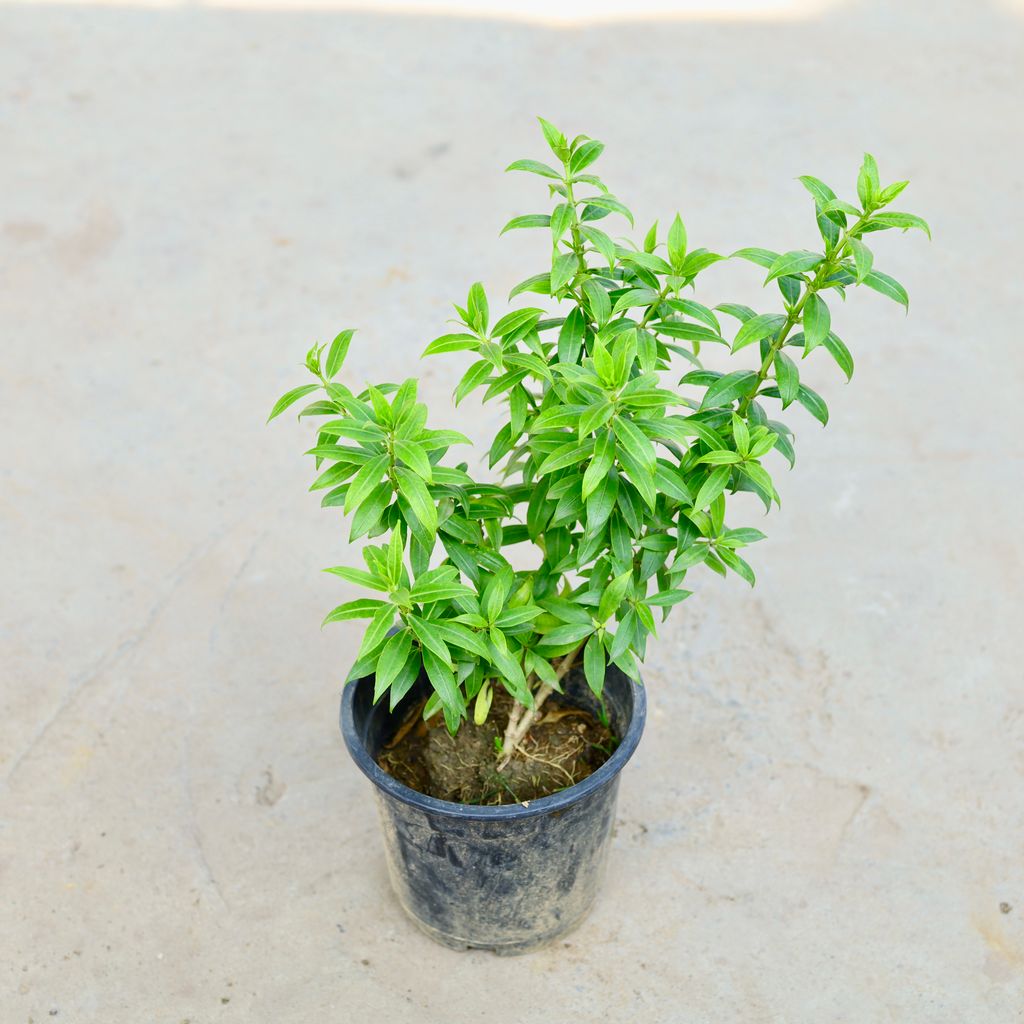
point(793, 317)
point(575, 226)
point(514, 735)
point(653, 308)
point(513, 723)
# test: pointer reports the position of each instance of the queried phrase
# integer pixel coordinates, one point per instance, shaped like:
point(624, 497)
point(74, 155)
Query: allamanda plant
point(618, 483)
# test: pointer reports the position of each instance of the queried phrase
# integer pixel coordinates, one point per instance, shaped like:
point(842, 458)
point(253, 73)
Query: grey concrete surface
point(827, 811)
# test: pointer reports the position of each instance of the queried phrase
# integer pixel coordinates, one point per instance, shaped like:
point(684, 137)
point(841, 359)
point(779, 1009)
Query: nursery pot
point(508, 878)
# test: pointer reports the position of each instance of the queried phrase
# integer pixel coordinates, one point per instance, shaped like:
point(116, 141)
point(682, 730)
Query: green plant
point(618, 484)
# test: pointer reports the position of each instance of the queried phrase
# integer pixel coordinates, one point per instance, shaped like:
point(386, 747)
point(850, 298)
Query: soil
point(562, 748)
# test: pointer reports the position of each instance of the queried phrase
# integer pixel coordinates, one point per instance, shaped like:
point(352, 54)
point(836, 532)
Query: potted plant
point(495, 695)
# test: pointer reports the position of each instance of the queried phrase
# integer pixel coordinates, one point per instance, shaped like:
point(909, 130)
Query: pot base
point(531, 945)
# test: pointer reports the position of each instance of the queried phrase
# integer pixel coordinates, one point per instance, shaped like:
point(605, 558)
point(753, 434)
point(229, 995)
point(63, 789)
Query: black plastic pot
point(508, 878)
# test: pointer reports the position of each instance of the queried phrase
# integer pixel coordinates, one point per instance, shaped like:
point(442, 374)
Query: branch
point(515, 735)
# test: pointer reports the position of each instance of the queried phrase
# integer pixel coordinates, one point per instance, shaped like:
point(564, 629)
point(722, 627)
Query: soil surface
point(562, 748)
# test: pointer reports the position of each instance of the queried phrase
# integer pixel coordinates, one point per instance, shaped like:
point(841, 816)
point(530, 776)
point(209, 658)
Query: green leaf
point(359, 576)
point(396, 556)
point(527, 220)
point(787, 376)
point(862, 259)
point(561, 219)
point(381, 409)
point(741, 434)
point(534, 167)
point(817, 322)
point(698, 311)
point(364, 608)
point(482, 705)
point(728, 389)
point(366, 480)
point(712, 487)
point(762, 257)
point(594, 665)
point(636, 443)
point(600, 241)
point(821, 192)
point(376, 631)
point(677, 243)
point(431, 440)
point(477, 307)
point(613, 595)
point(597, 300)
point(403, 683)
point(892, 219)
point(495, 592)
point(698, 260)
point(555, 139)
point(867, 181)
point(563, 269)
point(415, 458)
point(569, 454)
point(290, 398)
point(600, 464)
point(570, 337)
point(840, 353)
point(762, 481)
point(754, 329)
point(840, 206)
point(651, 238)
point(585, 156)
point(442, 679)
point(741, 537)
point(512, 677)
point(667, 598)
point(688, 332)
point(539, 283)
point(595, 417)
point(735, 309)
point(430, 640)
point(452, 343)
point(813, 403)
point(720, 458)
point(601, 503)
point(636, 297)
point(738, 566)
point(413, 489)
point(337, 352)
point(454, 634)
point(890, 192)
point(649, 261)
point(472, 379)
point(609, 203)
point(888, 286)
point(320, 408)
point(796, 261)
point(669, 481)
point(391, 662)
point(512, 322)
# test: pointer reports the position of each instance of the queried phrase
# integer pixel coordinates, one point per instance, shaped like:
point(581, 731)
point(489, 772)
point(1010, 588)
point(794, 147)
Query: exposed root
point(564, 745)
point(514, 737)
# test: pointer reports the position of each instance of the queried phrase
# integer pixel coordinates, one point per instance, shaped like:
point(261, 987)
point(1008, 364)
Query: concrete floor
point(825, 821)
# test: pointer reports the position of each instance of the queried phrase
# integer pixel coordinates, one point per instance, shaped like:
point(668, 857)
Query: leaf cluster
point(615, 469)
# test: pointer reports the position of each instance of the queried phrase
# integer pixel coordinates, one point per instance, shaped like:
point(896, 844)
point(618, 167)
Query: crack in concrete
point(864, 792)
point(113, 656)
point(232, 584)
point(194, 830)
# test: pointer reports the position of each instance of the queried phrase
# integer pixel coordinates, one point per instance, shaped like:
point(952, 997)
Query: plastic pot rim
point(503, 812)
